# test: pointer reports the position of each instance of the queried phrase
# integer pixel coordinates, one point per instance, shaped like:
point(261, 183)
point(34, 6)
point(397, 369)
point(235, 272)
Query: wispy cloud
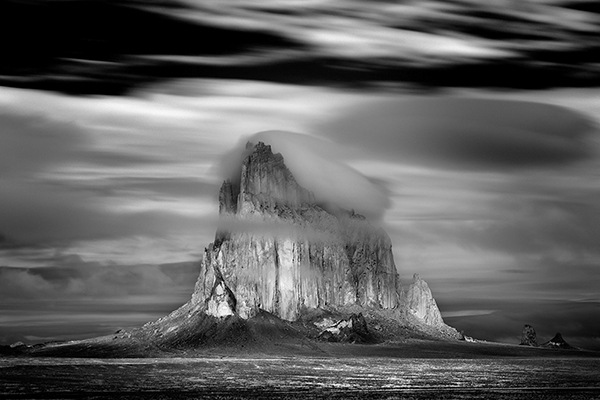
point(347, 42)
point(474, 133)
point(107, 183)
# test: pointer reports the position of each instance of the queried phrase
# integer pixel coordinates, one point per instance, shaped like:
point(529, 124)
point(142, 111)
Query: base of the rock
point(190, 329)
point(368, 332)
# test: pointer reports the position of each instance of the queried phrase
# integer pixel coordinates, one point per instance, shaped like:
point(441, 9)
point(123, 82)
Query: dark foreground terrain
point(556, 375)
point(265, 357)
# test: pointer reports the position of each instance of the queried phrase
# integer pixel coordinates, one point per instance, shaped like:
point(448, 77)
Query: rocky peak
point(557, 342)
point(421, 303)
point(301, 257)
point(264, 182)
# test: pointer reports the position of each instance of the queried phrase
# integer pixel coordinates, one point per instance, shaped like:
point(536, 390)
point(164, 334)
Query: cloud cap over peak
point(318, 167)
point(464, 132)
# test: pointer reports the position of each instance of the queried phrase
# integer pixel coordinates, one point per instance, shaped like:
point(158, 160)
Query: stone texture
point(221, 302)
point(528, 337)
point(421, 303)
point(351, 330)
point(283, 253)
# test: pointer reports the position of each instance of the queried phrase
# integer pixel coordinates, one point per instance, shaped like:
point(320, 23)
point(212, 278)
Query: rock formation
point(352, 330)
point(421, 303)
point(528, 337)
point(557, 342)
point(280, 261)
point(281, 252)
point(281, 271)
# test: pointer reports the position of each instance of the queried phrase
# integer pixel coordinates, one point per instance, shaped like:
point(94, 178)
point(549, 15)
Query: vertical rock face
point(528, 337)
point(282, 253)
point(421, 303)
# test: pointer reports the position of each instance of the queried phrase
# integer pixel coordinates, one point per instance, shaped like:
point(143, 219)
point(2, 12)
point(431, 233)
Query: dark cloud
point(174, 186)
point(29, 143)
point(40, 214)
point(143, 187)
point(493, 47)
point(72, 298)
point(71, 277)
point(588, 6)
point(116, 158)
point(37, 210)
point(461, 132)
point(525, 227)
point(89, 46)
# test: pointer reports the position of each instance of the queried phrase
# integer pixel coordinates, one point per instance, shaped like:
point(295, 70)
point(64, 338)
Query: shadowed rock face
point(283, 253)
point(421, 303)
point(557, 342)
point(353, 330)
point(528, 337)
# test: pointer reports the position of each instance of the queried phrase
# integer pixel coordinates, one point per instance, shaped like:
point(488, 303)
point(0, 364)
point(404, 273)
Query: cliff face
point(421, 303)
point(282, 253)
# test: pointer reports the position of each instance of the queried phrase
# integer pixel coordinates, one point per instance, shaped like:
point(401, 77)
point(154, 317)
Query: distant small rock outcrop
point(557, 342)
point(528, 337)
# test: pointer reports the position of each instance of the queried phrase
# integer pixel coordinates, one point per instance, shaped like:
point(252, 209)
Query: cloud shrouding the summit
point(318, 166)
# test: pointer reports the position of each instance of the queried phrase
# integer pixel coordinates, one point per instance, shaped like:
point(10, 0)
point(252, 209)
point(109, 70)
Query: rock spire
point(421, 303)
point(557, 342)
point(282, 253)
point(528, 336)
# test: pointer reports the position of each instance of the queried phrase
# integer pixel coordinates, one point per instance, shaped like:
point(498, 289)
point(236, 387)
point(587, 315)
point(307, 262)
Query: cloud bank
point(541, 43)
point(464, 132)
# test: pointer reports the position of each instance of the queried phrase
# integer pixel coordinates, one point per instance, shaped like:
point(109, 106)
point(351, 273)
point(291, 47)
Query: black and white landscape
point(453, 140)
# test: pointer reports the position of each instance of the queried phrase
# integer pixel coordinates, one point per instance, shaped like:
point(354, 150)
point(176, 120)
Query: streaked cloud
point(119, 185)
point(465, 132)
point(72, 298)
point(347, 42)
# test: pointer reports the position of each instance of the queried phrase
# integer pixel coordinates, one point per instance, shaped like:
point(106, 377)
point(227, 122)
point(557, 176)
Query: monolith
point(279, 251)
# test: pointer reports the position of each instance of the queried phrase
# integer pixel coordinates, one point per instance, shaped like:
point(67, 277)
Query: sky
point(482, 144)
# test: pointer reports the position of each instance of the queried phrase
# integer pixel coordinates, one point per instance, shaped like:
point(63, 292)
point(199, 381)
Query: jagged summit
point(264, 181)
point(296, 255)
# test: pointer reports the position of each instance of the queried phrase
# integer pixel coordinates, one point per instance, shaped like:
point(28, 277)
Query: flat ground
point(299, 377)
